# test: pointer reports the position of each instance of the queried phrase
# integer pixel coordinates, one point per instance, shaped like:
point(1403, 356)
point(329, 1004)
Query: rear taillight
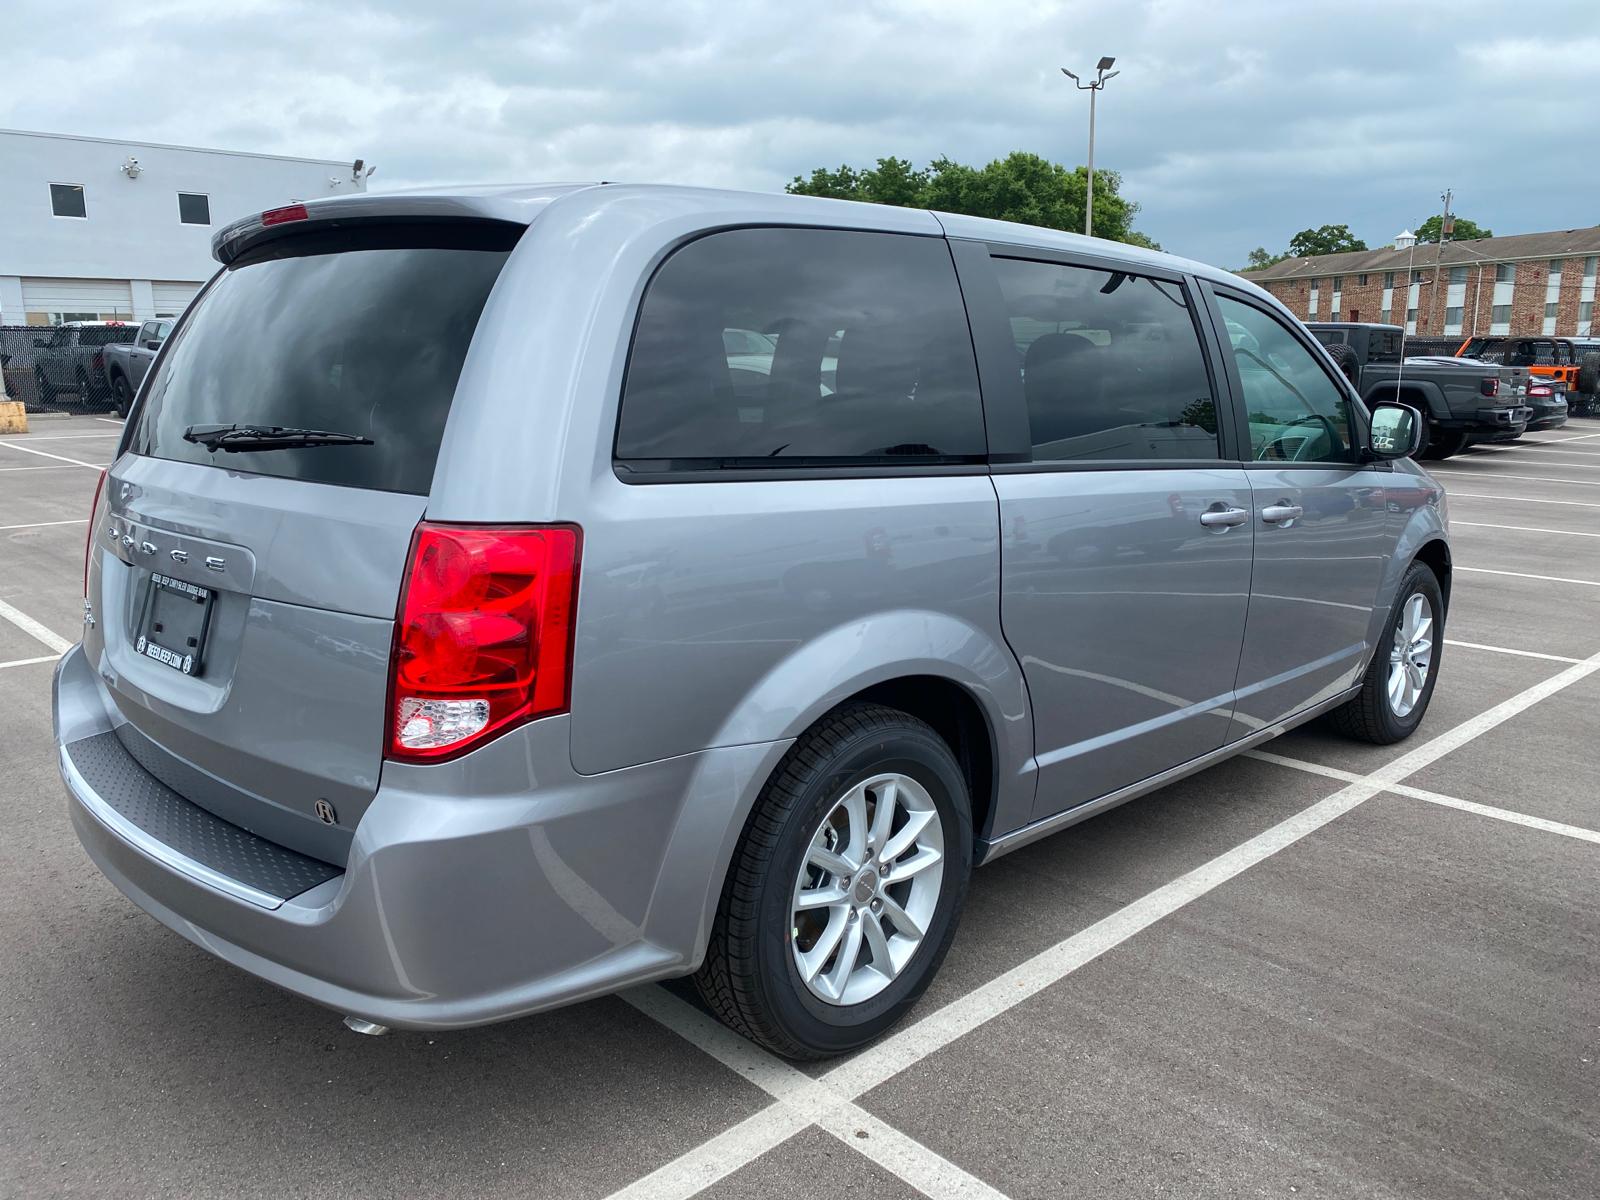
point(1489, 387)
point(99, 360)
point(88, 541)
point(1540, 389)
point(280, 216)
point(483, 642)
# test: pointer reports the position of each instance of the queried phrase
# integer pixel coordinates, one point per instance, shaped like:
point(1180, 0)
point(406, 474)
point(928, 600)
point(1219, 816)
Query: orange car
point(1550, 357)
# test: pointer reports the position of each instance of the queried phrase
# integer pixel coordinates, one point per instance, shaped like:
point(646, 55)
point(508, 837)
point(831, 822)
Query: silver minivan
point(503, 596)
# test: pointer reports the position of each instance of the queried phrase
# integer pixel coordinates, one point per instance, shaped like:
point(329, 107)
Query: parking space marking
point(811, 1102)
point(110, 420)
point(1582, 437)
point(77, 462)
point(1416, 793)
point(43, 524)
point(9, 470)
point(1519, 499)
point(28, 662)
point(1561, 658)
point(1522, 528)
point(1454, 471)
point(52, 437)
point(29, 626)
point(1525, 575)
point(1539, 459)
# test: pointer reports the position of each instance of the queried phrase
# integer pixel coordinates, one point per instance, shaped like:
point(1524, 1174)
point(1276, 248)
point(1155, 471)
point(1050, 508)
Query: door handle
point(1281, 513)
point(1224, 517)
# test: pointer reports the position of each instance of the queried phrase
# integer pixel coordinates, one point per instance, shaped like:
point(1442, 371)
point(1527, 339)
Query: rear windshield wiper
point(234, 438)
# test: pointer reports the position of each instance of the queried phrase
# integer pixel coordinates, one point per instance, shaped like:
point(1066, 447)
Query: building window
point(1361, 280)
point(1505, 273)
point(1388, 279)
point(1458, 274)
point(1552, 294)
point(1384, 314)
point(1452, 319)
point(1416, 277)
point(1338, 283)
point(1585, 318)
point(66, 200)
point(1500, 314)
point(66, 318)
point(1411, 320)
point(194, 208)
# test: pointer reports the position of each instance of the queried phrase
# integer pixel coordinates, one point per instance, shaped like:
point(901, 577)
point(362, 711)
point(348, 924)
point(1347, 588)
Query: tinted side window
point(1296, 412)
point(1111, 364)
point(785, 347)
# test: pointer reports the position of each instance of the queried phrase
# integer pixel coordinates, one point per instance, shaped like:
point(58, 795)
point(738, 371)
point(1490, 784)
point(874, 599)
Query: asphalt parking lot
point(1326, 969)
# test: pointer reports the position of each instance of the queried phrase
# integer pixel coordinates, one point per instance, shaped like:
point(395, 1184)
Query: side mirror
point(1396, 430)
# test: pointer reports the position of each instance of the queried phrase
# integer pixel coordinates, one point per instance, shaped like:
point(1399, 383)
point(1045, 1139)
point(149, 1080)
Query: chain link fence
point(60, 368)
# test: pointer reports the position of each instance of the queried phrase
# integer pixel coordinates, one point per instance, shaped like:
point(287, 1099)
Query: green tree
point(1260, 260)
point(1325, 239)
point(1020, 187)
point(1464, 231)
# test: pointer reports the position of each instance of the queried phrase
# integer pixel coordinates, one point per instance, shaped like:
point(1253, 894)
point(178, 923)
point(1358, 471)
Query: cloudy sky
point(1234, 122)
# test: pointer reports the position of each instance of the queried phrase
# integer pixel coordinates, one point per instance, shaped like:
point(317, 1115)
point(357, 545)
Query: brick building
point(1527, 283)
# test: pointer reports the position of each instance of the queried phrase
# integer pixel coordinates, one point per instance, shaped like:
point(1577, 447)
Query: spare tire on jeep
point(1589, 374)
point(1345, 359)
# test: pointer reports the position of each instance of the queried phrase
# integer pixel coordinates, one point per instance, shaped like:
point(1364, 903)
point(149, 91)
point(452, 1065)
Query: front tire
point(1399, 681)
point(846, 886)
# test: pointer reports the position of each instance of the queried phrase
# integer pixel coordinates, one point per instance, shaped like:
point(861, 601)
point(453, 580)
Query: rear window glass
point(107, 335)
point(801, 347)
point(361, 331)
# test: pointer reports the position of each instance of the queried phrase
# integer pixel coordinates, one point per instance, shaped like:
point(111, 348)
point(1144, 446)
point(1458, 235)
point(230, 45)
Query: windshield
point(360, 331)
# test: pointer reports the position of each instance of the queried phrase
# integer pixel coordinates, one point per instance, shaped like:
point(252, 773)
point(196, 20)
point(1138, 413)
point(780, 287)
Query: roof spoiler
point(337, 212)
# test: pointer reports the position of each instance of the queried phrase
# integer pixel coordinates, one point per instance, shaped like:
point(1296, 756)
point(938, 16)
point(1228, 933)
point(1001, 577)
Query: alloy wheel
point(867, 889)
point(1410, 654)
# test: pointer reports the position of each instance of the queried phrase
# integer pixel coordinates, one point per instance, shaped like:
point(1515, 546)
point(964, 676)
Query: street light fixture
point(1103, 73)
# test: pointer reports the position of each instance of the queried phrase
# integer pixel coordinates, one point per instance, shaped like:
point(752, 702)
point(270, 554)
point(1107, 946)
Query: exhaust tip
point(363, 1026)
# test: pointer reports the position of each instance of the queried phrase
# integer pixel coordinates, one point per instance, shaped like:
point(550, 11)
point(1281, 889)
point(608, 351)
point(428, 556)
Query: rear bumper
point(476, 891)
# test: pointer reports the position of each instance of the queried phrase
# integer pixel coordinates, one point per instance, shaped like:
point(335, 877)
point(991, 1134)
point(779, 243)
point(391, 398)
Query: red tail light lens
point(1539, 389)
point(1489, 387)
point(279, 216)
point(484, 637)
point(88, 541)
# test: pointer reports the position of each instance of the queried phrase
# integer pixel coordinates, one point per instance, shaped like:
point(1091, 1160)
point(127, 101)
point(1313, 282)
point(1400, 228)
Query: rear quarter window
point(774, 348)
point(359, 331)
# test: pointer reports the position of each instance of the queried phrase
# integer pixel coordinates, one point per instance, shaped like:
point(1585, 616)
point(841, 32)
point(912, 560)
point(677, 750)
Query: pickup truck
point(71, 358)
point(127, 363)
point(1464, 400)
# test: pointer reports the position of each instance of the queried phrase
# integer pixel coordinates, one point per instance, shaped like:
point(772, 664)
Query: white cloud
point(1234, 124)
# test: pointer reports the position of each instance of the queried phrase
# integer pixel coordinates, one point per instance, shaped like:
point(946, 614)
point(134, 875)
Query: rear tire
point(752, 975)
point(121, 395)
point(1445, 443)
point(1589, 375)
point(42, 387)
point(1384, 713)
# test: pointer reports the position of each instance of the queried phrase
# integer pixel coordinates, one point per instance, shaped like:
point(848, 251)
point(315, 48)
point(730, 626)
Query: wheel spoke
point(907, 835)
point(855, 811)
point(883, 814)
point(878, 942)
point(920, 861)
point(814, 959)
point(834, 864)
point(844, 963)
point(820, 897)
point(900, 919)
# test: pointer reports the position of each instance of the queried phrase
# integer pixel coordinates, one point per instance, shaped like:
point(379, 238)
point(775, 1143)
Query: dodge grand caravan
point(503, 596)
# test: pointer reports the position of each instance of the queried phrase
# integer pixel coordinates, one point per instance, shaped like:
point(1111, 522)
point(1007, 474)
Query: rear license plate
point(172, 628)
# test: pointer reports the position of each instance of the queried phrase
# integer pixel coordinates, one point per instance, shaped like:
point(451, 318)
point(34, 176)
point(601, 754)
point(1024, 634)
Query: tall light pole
point(1093, 88)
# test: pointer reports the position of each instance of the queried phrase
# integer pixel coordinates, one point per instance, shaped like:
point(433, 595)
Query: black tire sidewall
point(830, 1028)
point(121, 396)
point(1418, 579)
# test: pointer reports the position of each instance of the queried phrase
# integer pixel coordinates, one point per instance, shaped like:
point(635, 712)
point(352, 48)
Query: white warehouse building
point(100, 229)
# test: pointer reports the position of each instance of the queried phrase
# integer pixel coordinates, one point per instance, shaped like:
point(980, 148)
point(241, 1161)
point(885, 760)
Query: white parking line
point(1561, 658)
point(11, 470)
point(42, 524)
point(54, 437)
point(1525, 575)
point(1519, 499)
point(78, 462)
point(1416, 793)
point(110, 420)
point(1538, 458)
point(810, 1101)
point(1454, 471)
point(1522, 528)
point(28, 662)
point(29, 626)
point(914, 1042)
point(1582, 437)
